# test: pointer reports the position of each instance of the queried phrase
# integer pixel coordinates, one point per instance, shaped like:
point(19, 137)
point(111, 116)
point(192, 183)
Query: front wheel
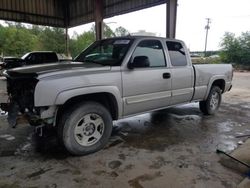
point(212, 104)
point(85, 128)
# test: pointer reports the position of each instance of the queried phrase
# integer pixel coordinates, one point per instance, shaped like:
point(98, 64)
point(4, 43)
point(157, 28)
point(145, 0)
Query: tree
point(107, 31)
point(52, 39)
point(16, 40)
point(80, 42)
point(121, 31)
point(236, 49)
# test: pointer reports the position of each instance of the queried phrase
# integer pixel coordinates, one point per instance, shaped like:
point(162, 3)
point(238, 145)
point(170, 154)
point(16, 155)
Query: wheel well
point(106, 99)
point(220, 83)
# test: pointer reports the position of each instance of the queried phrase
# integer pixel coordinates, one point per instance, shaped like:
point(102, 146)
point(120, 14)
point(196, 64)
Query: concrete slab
point(170, 148)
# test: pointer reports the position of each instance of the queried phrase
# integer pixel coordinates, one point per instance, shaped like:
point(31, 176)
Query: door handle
point(166, 75)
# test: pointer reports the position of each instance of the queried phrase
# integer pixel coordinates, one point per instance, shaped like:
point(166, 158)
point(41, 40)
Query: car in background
point(33, 58)
point(11, 62)
point(40, 57)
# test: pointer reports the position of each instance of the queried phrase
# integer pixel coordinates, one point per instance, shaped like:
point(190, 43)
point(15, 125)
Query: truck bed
point(206, 73)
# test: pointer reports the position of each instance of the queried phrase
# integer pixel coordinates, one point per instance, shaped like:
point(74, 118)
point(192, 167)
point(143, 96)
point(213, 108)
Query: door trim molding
point(147, 97)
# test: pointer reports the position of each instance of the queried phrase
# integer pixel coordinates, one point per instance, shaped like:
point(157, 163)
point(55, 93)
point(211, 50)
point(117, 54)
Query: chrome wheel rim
point(214, 102)
point(89, 129)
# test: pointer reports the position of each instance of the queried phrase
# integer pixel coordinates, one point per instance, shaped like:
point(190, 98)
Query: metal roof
point(67, 13)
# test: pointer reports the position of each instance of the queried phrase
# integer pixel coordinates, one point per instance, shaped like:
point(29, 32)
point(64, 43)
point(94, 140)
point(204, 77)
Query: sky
point(226, 16)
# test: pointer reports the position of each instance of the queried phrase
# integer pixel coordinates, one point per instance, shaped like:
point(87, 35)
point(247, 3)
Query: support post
point(99, 19)
point(171, 18)
point(66, 42)
point(66, 24)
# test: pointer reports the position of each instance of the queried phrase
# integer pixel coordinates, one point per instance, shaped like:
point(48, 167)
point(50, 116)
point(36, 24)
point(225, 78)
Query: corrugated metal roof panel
point(63, 13)
point(116, 7)
point(81, 11)
point(44, 12)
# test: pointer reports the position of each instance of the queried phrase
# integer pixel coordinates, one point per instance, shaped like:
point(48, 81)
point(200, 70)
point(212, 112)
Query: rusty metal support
point(171, 18)
point(99, 19)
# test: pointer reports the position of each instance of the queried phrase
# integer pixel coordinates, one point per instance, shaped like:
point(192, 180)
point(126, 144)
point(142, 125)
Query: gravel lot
point(170, 148)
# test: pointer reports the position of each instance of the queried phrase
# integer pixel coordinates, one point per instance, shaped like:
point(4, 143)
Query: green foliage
point(17, 39)
point(107, 31)
point(121, 31)
point(206, 60)
point(236, 49)
point(80, 42)
point(52, 39)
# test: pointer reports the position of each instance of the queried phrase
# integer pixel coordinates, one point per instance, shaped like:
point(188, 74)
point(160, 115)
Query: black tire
point(206, 107)
point(73, 117)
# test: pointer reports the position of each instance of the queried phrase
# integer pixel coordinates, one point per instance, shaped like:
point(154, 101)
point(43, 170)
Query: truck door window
point(153, 50)
point(176, 53)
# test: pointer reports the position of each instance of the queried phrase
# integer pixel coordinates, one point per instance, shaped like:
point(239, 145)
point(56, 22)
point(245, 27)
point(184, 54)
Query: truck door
point(147, 87)
point(181, 72)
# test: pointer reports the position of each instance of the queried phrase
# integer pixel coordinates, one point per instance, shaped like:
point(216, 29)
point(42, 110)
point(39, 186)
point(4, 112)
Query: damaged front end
point(20, 89)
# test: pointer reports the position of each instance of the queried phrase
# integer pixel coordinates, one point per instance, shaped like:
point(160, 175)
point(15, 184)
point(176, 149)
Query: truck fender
point(211, 81)
point(64, 96)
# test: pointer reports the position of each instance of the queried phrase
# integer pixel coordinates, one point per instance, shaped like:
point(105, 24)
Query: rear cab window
point(176, 53)
point(153, 50)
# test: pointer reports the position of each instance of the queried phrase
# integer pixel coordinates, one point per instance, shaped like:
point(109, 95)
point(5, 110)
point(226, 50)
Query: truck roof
point(142, 36)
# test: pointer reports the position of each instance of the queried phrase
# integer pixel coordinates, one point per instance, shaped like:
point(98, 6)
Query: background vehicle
point(112, 79)
point(11, 62)
point(33, 58)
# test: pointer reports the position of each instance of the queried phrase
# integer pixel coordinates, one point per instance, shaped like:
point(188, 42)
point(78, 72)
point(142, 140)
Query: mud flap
point(12, 114)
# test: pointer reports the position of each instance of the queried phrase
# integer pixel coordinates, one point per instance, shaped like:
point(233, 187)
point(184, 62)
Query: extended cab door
point(182, 73)
point(146, 87)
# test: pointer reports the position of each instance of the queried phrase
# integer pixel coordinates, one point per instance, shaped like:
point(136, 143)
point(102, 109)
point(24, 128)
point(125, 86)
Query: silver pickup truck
point(112, 79)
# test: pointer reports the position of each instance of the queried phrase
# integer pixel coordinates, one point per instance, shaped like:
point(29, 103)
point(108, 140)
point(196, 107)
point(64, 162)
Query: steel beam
point(171, 18)
point(99, 19)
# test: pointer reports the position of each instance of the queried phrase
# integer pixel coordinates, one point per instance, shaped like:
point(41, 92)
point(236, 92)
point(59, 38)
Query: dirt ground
point(175, 147)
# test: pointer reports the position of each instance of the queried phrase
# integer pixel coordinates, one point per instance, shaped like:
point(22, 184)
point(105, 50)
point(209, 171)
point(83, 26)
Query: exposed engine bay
point(20, 89)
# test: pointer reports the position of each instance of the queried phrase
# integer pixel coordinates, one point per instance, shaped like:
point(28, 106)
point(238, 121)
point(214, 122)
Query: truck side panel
point(182, 84)
point(205, 75)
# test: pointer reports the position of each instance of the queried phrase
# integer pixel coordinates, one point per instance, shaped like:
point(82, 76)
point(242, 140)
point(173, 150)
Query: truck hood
point(44, 70)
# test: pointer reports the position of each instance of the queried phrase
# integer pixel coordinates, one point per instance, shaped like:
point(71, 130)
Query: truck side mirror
point(139, 62)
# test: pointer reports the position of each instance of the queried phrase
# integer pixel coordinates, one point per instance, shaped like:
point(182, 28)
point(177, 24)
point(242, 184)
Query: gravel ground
point(170, 148)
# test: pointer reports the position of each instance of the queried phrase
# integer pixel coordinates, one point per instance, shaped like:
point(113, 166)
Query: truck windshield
point(105, 52)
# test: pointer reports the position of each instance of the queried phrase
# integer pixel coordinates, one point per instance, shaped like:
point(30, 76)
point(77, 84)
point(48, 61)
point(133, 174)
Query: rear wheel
point(85, 128)
point(212, 104)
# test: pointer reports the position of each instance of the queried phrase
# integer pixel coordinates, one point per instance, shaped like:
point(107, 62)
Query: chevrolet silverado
point(112, 79)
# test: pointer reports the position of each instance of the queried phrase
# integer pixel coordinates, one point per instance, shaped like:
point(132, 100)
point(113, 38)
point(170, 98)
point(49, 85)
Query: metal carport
point(70, 13)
